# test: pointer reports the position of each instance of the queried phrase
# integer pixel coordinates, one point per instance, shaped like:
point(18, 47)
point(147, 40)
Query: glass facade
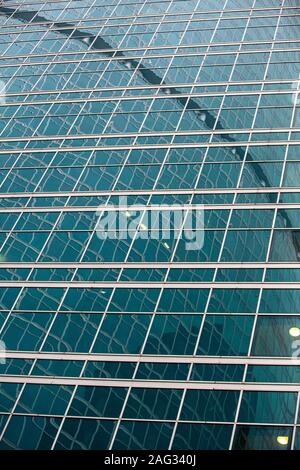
point(135, 342)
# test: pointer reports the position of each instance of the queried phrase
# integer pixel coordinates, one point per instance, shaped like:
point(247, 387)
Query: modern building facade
point(135, 341)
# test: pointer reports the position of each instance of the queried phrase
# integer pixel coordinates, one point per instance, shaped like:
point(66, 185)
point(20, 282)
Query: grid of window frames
point(139, 343)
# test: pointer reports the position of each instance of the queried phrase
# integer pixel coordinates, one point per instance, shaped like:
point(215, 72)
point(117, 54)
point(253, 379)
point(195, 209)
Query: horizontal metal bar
point(153, 56)
point(217, 132)
point(262, 189)
point(184, 207)
point(145, 147)
point(201, 11)
point(154, 87)
point(153, 285)
point(157, 358)
point(163, 384)
point(103, 24)
point(106, 24)
point(153, 265)
point(150, 97)
point(153, 48)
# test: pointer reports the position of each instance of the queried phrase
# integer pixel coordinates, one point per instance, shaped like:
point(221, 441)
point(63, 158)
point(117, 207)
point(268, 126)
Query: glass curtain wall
point(136, 342)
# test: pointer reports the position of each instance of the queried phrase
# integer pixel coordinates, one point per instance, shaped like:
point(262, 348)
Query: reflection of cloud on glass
point(296, 101)
point(296, 88)
point(2, 352)
point(2, 92)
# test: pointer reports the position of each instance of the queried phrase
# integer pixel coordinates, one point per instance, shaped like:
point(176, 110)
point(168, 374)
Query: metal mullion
point(169, 110)
point(267, 256)
point(232, 207)
point(144, 192)
point(49, 65)
point(154, 265)
point(16, 104)
point(114, 313)
point(90, 98)
point(266, 285)
point(144, 55)
point(156, 88)
point(161, 86)
point(214, 275)
point(10, 232)
point(204, 12)
point(213, 144)
point(57, 54)
point(278, 198)
point(2, 328)
point(23, 63)
point(113, 290)
point(15, 303)
point(246, 150)
point(265, 75)
point(105, 21)
point(154, 285)
point(150, 383)
point(18, 7)
point(109, 194)
point(119, 276)
point(200, 45)
point(125, 261)
point(67, 290)
point(157, 358)
point(57, 312)
point(91, 91)
point(148, 97)
point(84, 101)
point(71, 208)
point(152, 56)
point(21, 291)
point(105, 24)
point(131, 25)
point(133, 147)
point(171, 14)
point(295, 422)
point(239, 143)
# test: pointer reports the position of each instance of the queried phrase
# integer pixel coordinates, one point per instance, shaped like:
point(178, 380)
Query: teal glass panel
point(143, 435)
point(30, 433)
point(209, 405)
point(150, 403)
point(162, 371)
point(44, 399)
point(274, 337)
point(202, 437)
point(225, 335)
point(262, 438)
point(85, 434)
point(122, 334)
point(173, 334)
point(268, 407)
point(97, 401)
point(217, 372)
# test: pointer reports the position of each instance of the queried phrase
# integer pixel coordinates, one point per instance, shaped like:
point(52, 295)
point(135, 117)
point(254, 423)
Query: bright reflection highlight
point(282, 440)
point(294, 331)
